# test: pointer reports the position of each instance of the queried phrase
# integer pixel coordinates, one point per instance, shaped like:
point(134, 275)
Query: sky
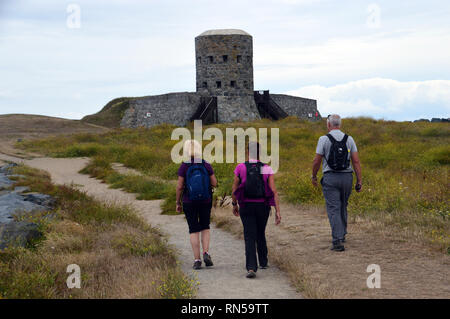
point(384, 59)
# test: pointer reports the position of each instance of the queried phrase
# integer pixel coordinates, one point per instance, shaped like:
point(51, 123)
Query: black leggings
point(198, 216)
point(254, 217)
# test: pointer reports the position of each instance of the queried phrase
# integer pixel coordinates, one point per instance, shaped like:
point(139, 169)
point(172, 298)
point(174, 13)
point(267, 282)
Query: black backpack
point(254, 183)
point(338, 158)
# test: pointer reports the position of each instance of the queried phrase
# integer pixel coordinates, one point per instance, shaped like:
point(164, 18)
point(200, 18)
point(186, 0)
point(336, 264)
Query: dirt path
point(224, 280)
point(408, 269)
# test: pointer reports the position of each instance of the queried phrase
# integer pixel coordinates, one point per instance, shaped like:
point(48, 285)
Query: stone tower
point(224, 68)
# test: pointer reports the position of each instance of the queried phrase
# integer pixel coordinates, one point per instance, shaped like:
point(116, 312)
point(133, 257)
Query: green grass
point(405, 166)
point(110, 243)
point(111, 114)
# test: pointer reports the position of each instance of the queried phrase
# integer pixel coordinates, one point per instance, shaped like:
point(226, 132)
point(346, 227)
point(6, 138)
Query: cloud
point(412, 53)
point(382, 98)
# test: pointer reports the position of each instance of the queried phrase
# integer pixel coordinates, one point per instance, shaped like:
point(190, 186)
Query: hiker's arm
point(357, 166)
point(179, 191)
point(213, 180)
point(275, 196)
point(315, 168)
point(234, 187)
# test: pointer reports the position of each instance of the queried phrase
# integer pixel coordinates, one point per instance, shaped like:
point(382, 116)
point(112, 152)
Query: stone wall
point(232, 109)
point(297, 106)
point(174, 108)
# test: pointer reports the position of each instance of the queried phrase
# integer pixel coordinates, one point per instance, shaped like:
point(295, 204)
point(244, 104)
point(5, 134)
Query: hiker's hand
point(314, 181)
point(358, 187)
point(179, 209)
point(236, 210)
point(277, 218)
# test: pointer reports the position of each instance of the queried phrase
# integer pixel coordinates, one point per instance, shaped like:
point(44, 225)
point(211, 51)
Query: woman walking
point(253, 194)
point(195, 181)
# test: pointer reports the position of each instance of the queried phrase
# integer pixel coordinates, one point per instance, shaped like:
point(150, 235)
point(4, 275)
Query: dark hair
point(253, 147)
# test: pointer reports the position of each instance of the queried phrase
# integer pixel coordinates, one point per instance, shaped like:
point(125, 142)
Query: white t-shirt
point(324, 145)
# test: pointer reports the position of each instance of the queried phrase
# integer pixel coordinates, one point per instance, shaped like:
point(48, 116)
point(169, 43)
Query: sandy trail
point(409, 269)
point(225, 280)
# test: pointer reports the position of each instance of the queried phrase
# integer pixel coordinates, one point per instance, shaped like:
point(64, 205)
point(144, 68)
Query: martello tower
point(224, 69)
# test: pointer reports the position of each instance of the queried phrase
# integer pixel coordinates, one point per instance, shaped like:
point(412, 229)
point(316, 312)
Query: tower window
point(233, 84)
point(246, 84)
point(218, 84)
point(249, 58)
point(238, 59)
point(199, 60)
point(225, 58)
point(211, 59)
point(205, 85)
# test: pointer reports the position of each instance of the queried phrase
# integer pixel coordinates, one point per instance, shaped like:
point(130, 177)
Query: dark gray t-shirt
point(324, 145)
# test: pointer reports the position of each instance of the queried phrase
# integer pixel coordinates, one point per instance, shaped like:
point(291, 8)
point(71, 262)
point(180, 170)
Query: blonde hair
point(192, 148)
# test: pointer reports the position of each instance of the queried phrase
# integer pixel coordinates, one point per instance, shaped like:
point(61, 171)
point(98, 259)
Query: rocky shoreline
point(15, 204)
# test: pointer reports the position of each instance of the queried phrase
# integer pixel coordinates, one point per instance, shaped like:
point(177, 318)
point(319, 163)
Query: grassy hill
point(30, 125)
point(405, 167)
point(111, 114)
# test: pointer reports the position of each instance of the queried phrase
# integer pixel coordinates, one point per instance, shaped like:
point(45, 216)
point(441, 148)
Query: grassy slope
point(120, 256)
point(405, 167)
point(110, 115)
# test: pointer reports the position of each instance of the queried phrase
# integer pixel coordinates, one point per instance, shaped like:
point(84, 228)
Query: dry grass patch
point(120, 256)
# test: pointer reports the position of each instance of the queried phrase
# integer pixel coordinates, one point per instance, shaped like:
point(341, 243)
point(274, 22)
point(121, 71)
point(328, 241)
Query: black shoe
point(207, 259)
point(264, 267)
point(251, 274)
point(337, 246)
point(197, 264)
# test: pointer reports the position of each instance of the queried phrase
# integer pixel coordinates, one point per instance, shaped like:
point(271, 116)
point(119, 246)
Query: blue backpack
point(197, 182)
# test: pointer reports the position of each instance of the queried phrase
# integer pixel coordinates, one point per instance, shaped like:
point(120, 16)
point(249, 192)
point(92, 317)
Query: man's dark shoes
point(207, 259)
point(251, 274)
point(337, 246)
point(197, 264)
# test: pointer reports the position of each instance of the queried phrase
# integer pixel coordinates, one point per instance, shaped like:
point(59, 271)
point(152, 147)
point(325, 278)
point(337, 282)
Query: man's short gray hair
point(334, 120)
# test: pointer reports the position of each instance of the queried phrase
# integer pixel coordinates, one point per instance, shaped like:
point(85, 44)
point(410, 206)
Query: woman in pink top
point(253, 194)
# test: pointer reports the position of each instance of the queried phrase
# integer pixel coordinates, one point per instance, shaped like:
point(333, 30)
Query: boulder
point(6, 169)
point(18, 234)
point(40, 199)
point(5, 182)
point(10, 203)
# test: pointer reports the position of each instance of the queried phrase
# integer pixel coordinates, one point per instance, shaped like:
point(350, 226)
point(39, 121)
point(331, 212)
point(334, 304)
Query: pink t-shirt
point(241, 172)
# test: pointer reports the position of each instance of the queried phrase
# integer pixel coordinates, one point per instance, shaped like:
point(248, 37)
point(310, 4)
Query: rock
point(21, 189)
point(18, 234)
point(6, 169)
point(40, 199)
point(5, 182)
point(11, 203)
point(15, 204)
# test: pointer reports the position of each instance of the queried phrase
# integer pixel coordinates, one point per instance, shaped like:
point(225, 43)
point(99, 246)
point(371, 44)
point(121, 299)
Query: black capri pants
point(198, 216)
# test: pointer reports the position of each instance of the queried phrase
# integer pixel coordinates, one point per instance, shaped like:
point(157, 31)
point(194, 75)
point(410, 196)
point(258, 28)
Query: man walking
point(334, 151)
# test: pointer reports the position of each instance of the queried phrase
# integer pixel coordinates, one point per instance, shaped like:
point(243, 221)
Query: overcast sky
point(385, 59)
